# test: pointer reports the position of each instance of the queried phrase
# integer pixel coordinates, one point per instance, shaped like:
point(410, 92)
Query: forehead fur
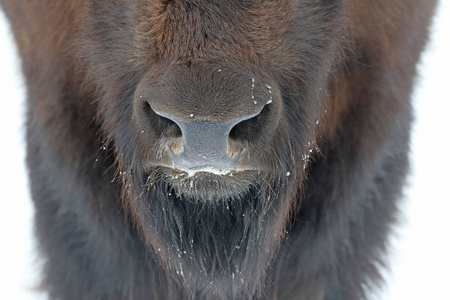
point(190, 29)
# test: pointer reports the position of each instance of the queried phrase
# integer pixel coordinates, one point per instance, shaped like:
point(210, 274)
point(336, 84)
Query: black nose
point(207, 146)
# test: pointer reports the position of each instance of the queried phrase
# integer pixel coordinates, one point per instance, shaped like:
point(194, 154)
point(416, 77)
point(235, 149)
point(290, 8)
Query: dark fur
point(324, 164)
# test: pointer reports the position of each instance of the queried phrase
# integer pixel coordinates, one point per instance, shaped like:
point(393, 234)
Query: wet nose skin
point(205, 145)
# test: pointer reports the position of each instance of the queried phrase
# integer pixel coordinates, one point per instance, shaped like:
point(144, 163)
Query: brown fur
point(307, 212)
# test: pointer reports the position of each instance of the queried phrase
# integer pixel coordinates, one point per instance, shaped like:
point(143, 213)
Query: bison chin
point(214, 242)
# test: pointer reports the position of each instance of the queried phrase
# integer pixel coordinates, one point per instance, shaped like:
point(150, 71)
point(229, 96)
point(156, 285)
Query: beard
point(214, 234)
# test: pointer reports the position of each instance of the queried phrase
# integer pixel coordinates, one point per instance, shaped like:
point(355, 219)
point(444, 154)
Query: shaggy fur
point(306, 214)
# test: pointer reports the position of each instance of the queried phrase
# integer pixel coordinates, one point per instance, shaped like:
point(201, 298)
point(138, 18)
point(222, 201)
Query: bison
point(229, 149)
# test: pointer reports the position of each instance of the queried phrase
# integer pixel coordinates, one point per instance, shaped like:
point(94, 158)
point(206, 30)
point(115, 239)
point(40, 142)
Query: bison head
point(213, 110)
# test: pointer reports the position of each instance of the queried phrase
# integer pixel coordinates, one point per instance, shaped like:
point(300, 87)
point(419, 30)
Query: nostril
point(248, 129)
point(162, 124)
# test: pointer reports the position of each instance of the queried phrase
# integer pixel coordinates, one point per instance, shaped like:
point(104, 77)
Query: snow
point(421, 246)
point(253, 90)
point(206, 169)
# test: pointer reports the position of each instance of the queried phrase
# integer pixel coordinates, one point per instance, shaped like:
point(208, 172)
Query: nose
point(207, 145)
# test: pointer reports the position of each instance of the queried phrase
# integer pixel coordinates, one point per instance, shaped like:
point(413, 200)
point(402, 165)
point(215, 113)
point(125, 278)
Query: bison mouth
point(208, 187)
point(212, 231)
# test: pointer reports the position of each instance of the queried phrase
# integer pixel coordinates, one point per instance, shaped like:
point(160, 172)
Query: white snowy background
point(420, 254)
